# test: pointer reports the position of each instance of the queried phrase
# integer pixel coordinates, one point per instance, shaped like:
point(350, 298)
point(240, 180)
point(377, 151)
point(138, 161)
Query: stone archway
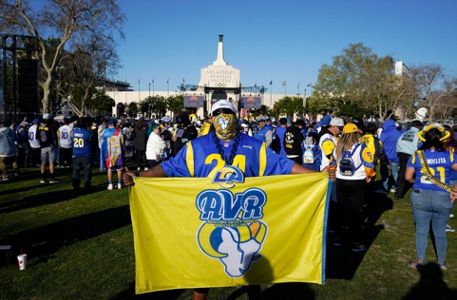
point(120, 109)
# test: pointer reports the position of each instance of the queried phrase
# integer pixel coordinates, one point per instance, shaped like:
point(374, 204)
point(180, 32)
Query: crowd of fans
point(355, 147)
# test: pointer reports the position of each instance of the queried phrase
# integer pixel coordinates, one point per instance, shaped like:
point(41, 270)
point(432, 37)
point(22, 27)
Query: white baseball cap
point(338, 122)
point(223, 104)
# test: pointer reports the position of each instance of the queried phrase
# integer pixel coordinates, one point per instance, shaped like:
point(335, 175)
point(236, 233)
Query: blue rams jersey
point(81, 142)
point(261, 133)
point(439, 162)
point(201, 158)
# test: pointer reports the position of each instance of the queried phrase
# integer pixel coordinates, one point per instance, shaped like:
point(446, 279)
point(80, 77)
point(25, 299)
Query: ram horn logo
point(222, 121)
point(236, 247)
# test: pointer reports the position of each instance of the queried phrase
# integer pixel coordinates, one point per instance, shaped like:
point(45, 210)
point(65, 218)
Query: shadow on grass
point(34, 173)
point(431, 285)
point(292, 291)
point(164, 295)
point(19, 190)
point(44, 241)
point(341, 262)
point(46, 198)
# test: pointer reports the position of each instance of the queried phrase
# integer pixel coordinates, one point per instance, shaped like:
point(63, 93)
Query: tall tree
point(289, 106)
point(175, 103)
point(434, 89)
point(362, 78)
point(82, 70)
point(101, 104)
point(68, 21)
point(159, 106)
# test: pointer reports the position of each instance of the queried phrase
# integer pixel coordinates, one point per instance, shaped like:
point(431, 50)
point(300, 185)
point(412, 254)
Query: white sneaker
point(110, 186)
point(449, 228)
point(119, 186)
point(451, 215)
point(53, 180)
point(393, 190)
point(146, 168)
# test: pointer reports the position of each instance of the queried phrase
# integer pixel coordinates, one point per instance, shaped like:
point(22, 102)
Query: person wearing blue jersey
point(431, 203)
point(112, 152)
point(82, 153)
point(264, 132)
point(389, 137)
point(224, 145)
point(280, 133)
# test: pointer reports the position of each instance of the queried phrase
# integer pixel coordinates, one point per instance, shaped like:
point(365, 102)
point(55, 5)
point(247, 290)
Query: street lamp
point(304, 101)
point(304, 96)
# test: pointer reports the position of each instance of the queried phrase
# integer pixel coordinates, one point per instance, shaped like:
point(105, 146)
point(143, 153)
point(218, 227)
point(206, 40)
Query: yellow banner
point(194, 232)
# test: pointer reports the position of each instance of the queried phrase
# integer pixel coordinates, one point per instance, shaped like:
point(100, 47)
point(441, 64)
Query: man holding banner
point(245, 231)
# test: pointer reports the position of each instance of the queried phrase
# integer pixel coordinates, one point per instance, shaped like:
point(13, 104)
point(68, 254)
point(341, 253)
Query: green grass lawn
point(80, 246)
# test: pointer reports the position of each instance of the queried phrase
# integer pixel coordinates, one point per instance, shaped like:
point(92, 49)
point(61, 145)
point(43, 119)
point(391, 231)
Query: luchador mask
point(225, 126)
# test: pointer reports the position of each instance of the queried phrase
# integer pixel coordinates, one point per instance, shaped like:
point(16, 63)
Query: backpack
point(311, 153)
point(347, 166)
point(275, 143)
point(309, 156)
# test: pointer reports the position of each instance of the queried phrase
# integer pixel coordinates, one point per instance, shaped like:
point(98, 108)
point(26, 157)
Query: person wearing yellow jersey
point(355, 168)
point(372, 142)
point(327, 141)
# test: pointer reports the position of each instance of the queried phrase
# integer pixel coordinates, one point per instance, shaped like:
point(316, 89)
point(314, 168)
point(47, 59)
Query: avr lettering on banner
point(216, 205)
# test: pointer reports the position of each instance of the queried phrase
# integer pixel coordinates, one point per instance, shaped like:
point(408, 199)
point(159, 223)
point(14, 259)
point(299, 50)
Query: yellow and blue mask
point(225, 126)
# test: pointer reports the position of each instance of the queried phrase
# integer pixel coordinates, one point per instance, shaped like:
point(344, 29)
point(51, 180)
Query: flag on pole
point(228, 231)
point(271, 82)
point(284, 83)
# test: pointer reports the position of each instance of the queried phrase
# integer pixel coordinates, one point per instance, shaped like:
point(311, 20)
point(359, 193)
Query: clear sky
point(283, 40)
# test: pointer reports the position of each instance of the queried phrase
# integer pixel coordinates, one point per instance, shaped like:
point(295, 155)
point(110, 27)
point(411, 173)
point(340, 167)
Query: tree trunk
point(431, 113)
point(46, 85)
